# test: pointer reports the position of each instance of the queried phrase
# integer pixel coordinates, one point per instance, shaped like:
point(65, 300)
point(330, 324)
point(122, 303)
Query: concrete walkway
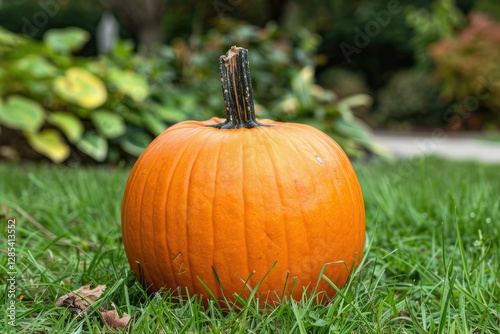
point(455, 146)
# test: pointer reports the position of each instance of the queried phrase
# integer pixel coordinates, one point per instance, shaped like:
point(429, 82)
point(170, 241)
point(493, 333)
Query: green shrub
point(62, 103)
point(430, 25)
point(283, 80)
point(111, 107)
point(492, 7)
point(410, 98)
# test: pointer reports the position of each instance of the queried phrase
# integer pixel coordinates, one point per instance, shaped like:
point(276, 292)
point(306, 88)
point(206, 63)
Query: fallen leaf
point(79, 300)
point(112, 319)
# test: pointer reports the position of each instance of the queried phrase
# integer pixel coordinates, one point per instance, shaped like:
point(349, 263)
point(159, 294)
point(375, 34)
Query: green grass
point(432, 262)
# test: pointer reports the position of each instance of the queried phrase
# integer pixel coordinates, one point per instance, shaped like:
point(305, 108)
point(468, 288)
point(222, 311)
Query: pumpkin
point(241, 204)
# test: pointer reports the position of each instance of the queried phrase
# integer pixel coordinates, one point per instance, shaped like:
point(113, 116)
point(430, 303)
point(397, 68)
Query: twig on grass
point(51, 236)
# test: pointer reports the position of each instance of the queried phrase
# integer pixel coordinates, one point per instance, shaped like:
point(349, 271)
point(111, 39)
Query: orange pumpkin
point(236, 196)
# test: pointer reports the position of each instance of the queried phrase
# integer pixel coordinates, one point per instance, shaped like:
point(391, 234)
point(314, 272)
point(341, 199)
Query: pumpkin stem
point(237, 90)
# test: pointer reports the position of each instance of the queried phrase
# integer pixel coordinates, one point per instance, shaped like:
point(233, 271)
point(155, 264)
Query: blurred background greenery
point(97, 80)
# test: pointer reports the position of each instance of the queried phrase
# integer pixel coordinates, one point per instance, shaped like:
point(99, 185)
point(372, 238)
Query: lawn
point(431, 262)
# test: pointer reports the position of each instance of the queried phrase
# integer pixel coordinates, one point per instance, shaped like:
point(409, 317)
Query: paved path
point(456, 146)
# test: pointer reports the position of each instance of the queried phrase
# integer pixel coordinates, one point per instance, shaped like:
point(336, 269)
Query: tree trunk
point(149, 36)
point(145, 18)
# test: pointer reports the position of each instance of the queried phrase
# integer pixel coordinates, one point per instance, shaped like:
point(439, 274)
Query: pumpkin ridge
point(168, 222)
point(310, 226)
point(217, 293)
point(188, 181)
point(286, 135)
point(164, 226)
point(280, 196)
point(354, 191)
point(145, 268)
point(324, 143)
point(317, 147)
point(257, 264)
point(343, 171)
point(293, 144)
point(317, 151)
point(159, 228)
point(162, 232)
point(243, 207)
point(160, 247)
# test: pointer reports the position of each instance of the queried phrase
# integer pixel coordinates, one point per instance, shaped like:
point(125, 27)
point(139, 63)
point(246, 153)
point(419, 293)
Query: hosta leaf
point(9, 39)
point(346, 104)
point(323, 95)
point(352, 129)
point(81, 87)
point(301, 86)
point(359, 133)
point(130, 84)
point(94, 145)
point(108, 123)
point(35, 66)
point(68, 123)
point(50, 143)
point(66, 40)
point(135, 142)
point(37, 87)
point(153, 124)
point(97, 66)
point(19, 112)
point(169, 114)
point(289, 105)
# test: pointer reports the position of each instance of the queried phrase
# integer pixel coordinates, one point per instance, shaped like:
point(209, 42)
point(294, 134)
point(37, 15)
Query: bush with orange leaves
point(468, 65)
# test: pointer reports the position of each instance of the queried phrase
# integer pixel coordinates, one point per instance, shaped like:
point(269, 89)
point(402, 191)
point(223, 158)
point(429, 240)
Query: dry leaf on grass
point(79, 300)
point(112, 319)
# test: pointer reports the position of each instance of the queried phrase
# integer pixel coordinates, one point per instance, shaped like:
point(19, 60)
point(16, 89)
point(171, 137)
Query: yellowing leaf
point(50, 143)
point(130, 84)
point(81, 87)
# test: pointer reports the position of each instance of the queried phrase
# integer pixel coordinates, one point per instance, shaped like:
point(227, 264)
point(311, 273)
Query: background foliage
point(416, 71)
point(59, 102)
point(111, 106)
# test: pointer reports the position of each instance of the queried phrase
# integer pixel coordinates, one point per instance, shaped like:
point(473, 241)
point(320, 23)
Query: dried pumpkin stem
point(237, 90)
